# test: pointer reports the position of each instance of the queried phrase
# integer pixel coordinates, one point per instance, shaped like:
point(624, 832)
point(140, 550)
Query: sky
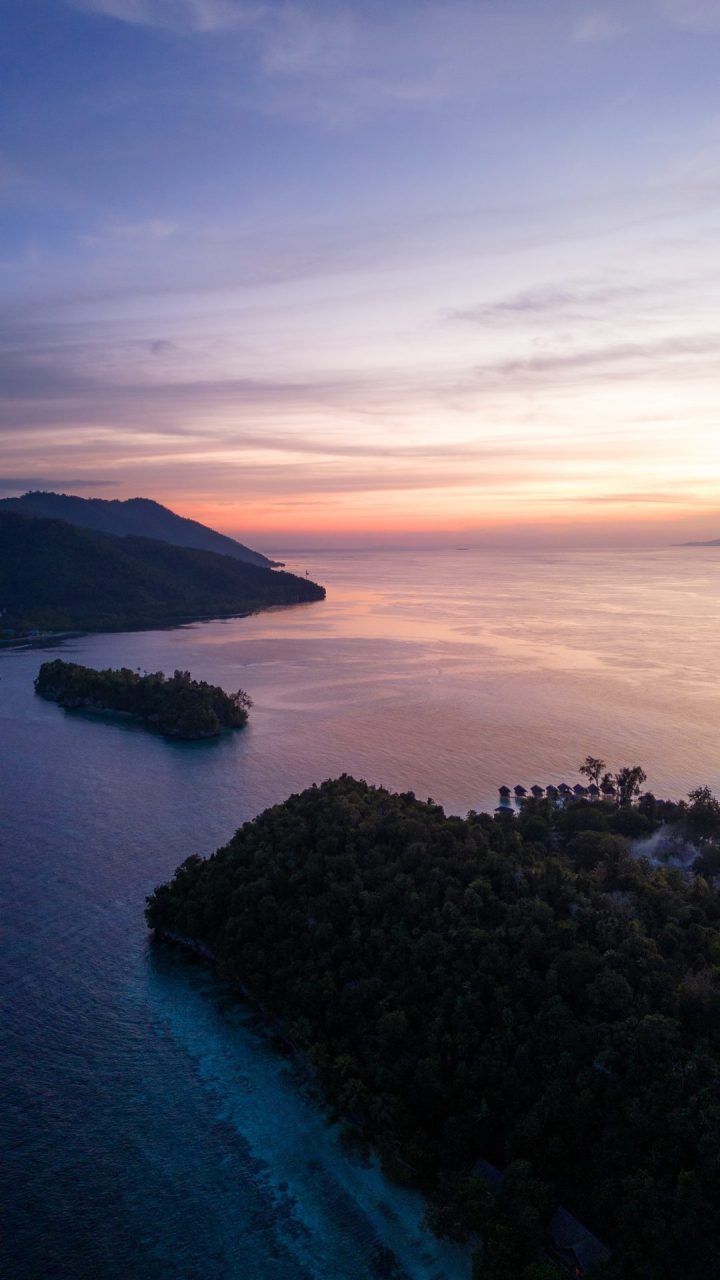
point(363, 273)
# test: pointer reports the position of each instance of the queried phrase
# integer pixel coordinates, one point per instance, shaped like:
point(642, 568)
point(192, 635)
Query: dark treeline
point(56, 577)
point(516, 988)
point(176, 705)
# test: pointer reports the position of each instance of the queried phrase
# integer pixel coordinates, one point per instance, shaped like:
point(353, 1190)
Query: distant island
point(518, 1012)
point(714, 542)
point(56, 577)
point(176, 706)
point(132, 517)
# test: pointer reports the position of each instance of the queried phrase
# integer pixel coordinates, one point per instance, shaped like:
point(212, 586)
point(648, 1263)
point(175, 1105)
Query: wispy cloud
point(596, 25)
point(10, 485)
point(566, 300)
point(666, 498)
point(336, 64)
point(287, 248)
point(609, 360)
point(177, 15)
point(692, 15)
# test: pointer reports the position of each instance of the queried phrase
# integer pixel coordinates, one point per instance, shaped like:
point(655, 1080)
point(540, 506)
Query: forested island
point(176, 706)
point(57, 577)
point(516, 992)
point(135, 517)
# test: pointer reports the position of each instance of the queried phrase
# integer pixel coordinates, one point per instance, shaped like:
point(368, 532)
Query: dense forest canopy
point(176, 705)
point(516, 988)
point(56, 577)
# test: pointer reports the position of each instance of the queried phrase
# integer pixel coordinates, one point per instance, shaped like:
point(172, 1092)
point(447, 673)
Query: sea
point(153, 1127)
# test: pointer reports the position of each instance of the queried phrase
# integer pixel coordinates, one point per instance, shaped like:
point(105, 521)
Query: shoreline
point(362, 1148)
point(31, 638)
point(203, 952)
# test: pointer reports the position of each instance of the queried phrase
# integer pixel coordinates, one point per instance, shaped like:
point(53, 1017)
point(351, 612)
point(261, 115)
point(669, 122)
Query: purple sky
point(363, 273)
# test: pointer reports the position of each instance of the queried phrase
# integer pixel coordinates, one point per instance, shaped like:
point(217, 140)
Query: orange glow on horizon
point(614, 522)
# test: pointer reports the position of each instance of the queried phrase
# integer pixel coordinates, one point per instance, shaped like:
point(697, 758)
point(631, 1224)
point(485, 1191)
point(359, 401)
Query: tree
point(593, 768)
point(703, 817)
point(628, 782)
point(467, 996)
point(607, 785)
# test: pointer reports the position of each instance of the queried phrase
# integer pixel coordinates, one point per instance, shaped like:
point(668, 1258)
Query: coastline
point(363, 1150)
point(35, 637)
point(203, 952)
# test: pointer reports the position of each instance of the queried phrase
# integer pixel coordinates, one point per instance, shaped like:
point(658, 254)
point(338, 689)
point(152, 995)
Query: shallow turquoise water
point(151, 1128)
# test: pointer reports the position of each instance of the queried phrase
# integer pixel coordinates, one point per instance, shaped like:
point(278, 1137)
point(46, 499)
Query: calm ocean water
point(151, 1127)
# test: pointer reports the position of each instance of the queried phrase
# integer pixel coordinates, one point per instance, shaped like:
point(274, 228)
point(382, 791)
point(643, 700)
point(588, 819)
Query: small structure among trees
point(571, 1244)
point(621, 788)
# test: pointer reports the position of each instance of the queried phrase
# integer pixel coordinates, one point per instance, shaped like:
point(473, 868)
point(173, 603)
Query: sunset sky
point(367, 273)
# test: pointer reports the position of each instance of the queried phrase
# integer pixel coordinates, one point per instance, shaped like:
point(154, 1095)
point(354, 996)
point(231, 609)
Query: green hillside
point(132, 517)
point(56, 577)
point(520, 990)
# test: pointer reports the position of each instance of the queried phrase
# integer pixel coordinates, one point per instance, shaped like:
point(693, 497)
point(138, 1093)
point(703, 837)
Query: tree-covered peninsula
point(134, 517)
point(512, 989)
point(176, 706)
point(55, 576)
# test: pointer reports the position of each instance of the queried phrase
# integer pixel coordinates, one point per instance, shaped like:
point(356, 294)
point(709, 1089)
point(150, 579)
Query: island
point(176, 706)
point(518, 1011)
point(136, 517)
point(58, 577)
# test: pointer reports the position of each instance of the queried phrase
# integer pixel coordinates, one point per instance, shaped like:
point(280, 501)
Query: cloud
point(177, 15)
point(335, 64)
point(597, 25)
point(618, 357)
point(691, 15)
point(152, 229)
point(666, 497)
point(553, 298)
point(21, 484)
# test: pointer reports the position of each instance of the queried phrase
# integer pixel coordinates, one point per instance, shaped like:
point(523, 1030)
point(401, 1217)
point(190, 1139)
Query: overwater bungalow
point(593, 791)
point(537, 791)
point(505, 793)
point(608, 789)
point(520, 792)
point(551, 792)
point(564, 790)
point(579, 791)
